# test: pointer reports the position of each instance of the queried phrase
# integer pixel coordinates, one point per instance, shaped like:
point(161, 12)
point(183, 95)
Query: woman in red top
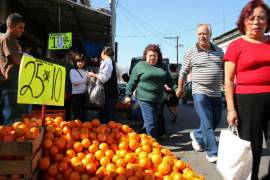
point(247, 78)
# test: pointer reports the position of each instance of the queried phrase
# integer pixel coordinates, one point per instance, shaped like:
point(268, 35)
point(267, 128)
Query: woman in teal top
point(148, 79)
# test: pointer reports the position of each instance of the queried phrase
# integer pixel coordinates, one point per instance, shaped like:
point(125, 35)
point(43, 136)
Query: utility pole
point(113, 22)
point(177, 45)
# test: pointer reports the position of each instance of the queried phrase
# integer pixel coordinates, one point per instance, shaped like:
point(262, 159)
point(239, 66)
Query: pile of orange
point(91, 151)
point(20, 131)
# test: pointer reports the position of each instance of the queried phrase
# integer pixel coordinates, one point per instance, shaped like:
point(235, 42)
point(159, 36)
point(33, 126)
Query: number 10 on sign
point(41, 82)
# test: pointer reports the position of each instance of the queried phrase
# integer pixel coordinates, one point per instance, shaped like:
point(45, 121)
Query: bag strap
point(233, 129)
point(79, 72)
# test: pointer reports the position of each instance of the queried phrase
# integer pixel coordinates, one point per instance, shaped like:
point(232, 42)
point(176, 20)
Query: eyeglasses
point(251, 19)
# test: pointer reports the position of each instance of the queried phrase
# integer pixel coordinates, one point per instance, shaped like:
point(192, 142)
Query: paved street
point(179, 142)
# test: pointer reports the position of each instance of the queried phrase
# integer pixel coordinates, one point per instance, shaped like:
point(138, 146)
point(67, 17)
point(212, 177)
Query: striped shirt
point(206, 69)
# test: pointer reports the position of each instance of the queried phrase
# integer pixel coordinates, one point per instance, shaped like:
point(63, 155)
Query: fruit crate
point(21, 158)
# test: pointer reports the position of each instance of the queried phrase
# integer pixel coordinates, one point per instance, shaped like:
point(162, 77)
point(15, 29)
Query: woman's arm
point(132, 84)
point(229, 92)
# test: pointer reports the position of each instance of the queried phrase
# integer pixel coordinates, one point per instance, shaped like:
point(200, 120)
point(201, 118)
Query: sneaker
point(196, 146)
point(212, 159)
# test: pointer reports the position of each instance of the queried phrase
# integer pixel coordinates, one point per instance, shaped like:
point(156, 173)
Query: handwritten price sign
point(60, 40)
point(41, 82)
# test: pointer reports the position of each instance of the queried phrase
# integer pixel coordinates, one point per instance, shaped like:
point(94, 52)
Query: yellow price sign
point(60, 41)
point(41, 82)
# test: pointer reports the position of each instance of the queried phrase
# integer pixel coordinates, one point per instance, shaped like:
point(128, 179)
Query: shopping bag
point(96, 93)
point(234, 156)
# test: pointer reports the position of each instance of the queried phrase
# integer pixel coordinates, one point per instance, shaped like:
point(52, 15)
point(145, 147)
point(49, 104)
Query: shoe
point(196, 146)
point(212, 159)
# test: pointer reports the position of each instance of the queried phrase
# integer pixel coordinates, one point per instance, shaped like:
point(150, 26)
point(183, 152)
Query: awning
point(85, 23)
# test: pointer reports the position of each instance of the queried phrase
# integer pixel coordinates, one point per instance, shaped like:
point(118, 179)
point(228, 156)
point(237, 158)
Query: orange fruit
point(123, 145)
point(126, 129)
point(130, 157)
point(156, 159)
point(47, 143)
point(53, 150)
point(86, 143)
point(139, 173)
point(133, 144)
point(111, 124)
point(101, 137)
point(77, 146)
point(60, 143)
point(58, 157)
point(29, 135)
point(179, 164)
point(144, 162)
point(104, 147)
point(52, 170)
point(50, 128)
point(164, 168)
point(80, 155)
point(104, 161)
point(99, 154)
point(176, 176)
point(44, 163)
point(91, 168)
point(147, 148)
point(100, 172)
point(75, 133)
point(85, 176)
point(121, 177)
point(74, 176)
point(120, 162)
point(70, 153)
point(19, 132)
point(95, 122)
point(58, 120)
point(58, 131)
point(93, 148)
point(63, 166)
point(66, 130)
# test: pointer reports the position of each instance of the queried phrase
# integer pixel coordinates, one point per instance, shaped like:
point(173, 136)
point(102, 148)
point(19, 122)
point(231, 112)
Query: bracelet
point(231, 110)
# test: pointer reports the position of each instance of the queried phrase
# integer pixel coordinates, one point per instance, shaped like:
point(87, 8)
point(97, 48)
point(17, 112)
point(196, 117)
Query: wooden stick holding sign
point(41, 82)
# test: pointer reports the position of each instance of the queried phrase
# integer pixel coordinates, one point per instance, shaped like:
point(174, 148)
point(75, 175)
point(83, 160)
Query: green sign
point(60, 41)
point(41, 82)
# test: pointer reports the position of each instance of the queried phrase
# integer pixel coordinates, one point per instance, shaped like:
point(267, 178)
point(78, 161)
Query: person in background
point(79, 77)
point(107, 75)
point(247, 78)
point(71, 56)
point(148, 78)
point(10, 59)
point(205, 63)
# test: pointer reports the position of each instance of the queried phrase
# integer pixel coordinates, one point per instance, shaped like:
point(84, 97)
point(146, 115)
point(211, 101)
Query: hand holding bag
point(234, 155)
point(96, 93)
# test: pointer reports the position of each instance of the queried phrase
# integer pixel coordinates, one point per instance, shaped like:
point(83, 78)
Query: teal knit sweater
point(148, 81)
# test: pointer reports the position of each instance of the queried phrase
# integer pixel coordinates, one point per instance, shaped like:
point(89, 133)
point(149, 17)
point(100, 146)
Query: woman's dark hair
point(14, 19)
point(154, 48)
point(248, 10)
point(107, 50)
point(80, 57)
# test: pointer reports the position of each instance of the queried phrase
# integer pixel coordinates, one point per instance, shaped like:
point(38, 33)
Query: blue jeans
point(209, 111)
point(150, 113)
